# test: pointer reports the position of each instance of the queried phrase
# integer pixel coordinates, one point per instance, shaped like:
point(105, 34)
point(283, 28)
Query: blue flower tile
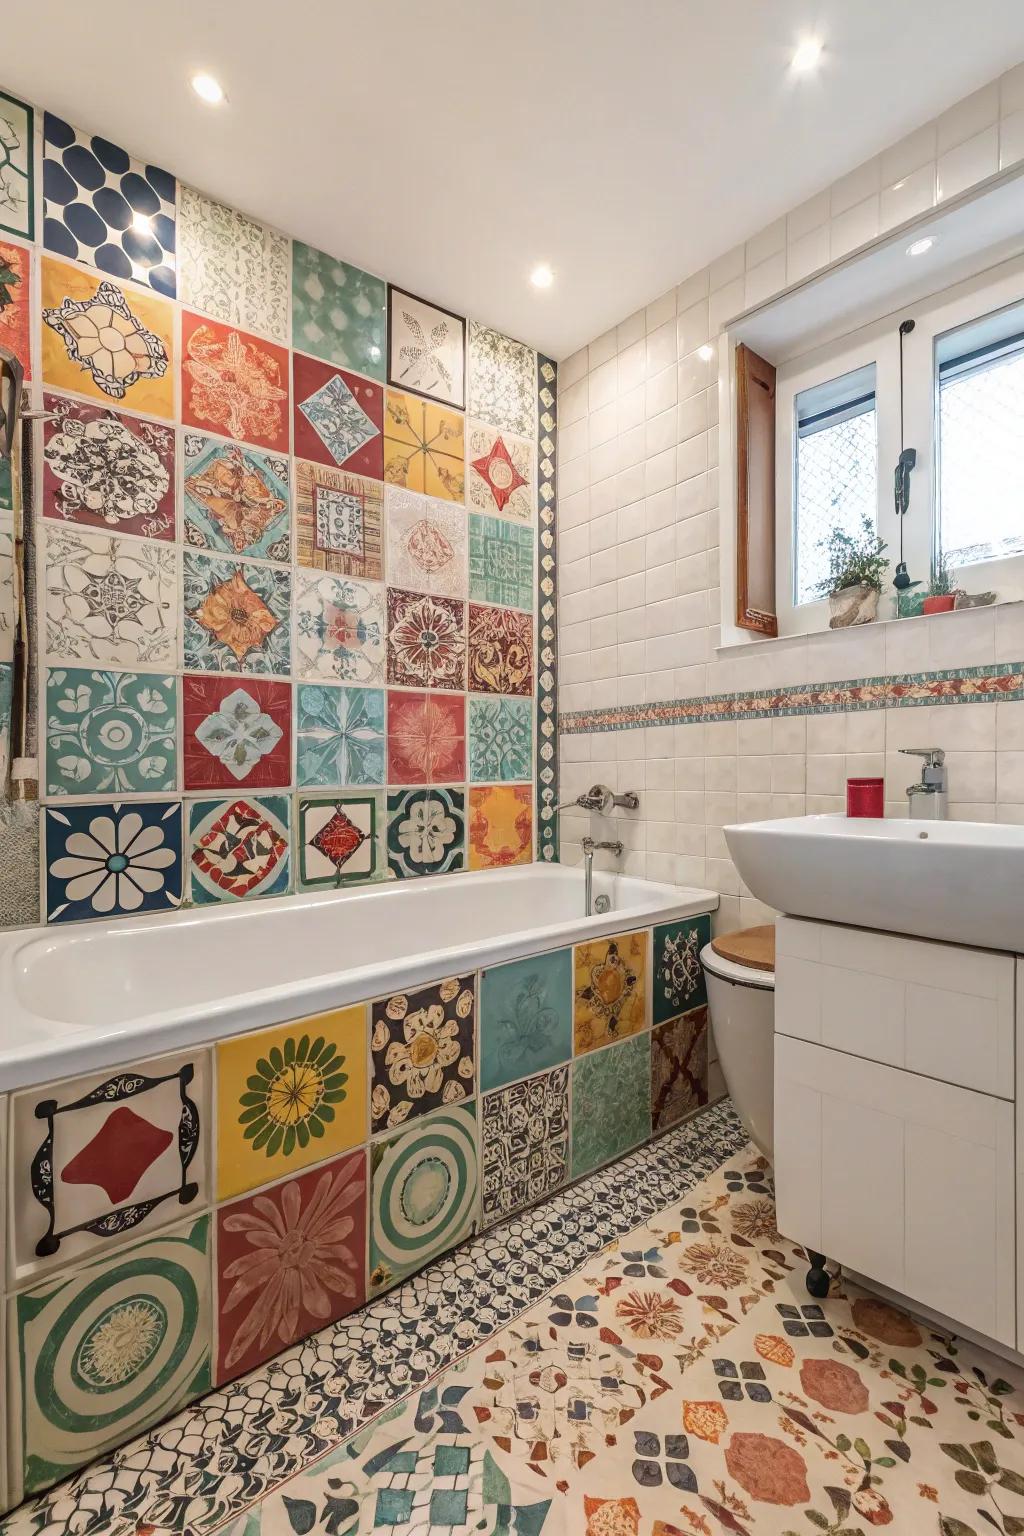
point(108, 859)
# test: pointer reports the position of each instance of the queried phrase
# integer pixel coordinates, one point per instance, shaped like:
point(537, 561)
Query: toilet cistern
point(926, 800)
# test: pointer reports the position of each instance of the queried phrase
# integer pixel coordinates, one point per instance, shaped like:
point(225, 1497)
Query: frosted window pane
point(836, 488)
point(981, 426)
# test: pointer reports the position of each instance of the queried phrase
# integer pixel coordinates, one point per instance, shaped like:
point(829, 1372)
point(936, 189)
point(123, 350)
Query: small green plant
point(854, 559)
point(942, 583)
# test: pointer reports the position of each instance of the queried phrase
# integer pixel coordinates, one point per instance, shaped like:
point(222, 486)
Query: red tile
point(355, 396)
point(500, 650)
point(426, 738)
point(233, 383)
point(237, 733)
point(107, 470)
point(289, 1261)
point(426, 640)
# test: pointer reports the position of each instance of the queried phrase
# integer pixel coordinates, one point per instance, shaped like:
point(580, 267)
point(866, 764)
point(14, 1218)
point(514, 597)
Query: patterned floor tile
point(426, 831)
point(500, 650)
point(611, 1092)
point(338, 311)
point(112, 860)
point(107, 470)
point(338, 521)
point(232, 268)
point(422, 1051)
point(239, 848)
point(500, 825)
point(234, 383)
point(339, 735)
point(525, 1017)
point(524, 1143)
point(500, 562)
point(610, 983)
point(427, 543)
point(427, 352)
point(236, 500)
point(110, 731)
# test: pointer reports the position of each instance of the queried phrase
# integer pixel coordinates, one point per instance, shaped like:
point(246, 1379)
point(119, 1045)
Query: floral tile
point(339, 839)
point(232, 268)
point(236, 500)
point(501, 473)
point(500, 739)
point(427, 354)
point(427, 543)
point(524, 1143)
point(237, 732)
point(110, 731)
point(423, 1192)
point(234, 383)
point(679, 983)
point(339, 629)
point(289, 1260)
point(17, 175)
point(107, 470)
point(338, 417)
point(426, 640)
point(611, 1102)
point(424, 447)
point(239, 848)
point(289, 1097)
point(105, 343)
point(110, 600)
point(426, 738)
point(500, 562)
point(500, 650)
point(426, 831)
point(97, 1160)
point(338, 311)
point(525, 1017)
point(500, 825)
point(502, 381)
point(339, 735)
point(609, 990)
point(16, 311)
point(679, 1068)
point(112, 860)
point(104, 1352)
point(236, 617)
point(105, 209)
point(423, 1051)
point(338, 521)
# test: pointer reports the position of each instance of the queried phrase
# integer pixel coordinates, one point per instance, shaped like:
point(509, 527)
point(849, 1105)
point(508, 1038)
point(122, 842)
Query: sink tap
point(926, 800)
point(589, 849)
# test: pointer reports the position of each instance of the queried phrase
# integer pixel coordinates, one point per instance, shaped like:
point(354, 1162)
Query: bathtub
point(421, 1060)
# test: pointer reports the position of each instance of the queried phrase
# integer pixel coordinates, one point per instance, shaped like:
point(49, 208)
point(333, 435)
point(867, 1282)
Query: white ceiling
point(452, 144)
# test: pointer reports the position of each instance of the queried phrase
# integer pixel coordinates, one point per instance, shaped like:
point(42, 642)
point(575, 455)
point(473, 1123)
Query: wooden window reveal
point(755, 498)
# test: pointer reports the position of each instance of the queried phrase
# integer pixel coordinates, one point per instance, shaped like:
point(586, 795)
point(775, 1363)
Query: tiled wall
point(173, 1225)
point(640, 605)
point(290, 524)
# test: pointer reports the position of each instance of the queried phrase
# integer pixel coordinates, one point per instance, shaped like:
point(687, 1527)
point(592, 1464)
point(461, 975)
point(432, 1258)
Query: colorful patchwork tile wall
point(173, 1224)
point(296, 550)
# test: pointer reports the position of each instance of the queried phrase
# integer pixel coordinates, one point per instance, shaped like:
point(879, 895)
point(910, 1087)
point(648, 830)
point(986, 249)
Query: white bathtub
point(94, 996)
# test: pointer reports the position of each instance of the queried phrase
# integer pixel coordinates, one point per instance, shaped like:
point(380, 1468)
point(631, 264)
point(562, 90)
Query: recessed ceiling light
point(807, 56)
point(209, 89)
point(542, 275)
point(706, 352)
point(920, 246)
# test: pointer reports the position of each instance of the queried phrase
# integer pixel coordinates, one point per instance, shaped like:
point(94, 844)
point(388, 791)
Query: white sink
point(962, 881)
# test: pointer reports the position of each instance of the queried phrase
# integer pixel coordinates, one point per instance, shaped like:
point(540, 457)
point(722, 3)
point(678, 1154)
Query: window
point(981, 449)
point(836, 471)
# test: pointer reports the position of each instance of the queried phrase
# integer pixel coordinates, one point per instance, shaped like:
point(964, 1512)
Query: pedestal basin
point(961, 881)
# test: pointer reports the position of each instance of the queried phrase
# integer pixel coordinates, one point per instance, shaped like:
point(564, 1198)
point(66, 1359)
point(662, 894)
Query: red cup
point(865, 797)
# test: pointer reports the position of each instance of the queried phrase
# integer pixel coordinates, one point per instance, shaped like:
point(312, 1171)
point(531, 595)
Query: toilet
point(740, 971)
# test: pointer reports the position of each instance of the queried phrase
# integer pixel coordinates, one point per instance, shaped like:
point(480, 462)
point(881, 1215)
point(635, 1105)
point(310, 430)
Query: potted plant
point(942, 594)
point(856, 569)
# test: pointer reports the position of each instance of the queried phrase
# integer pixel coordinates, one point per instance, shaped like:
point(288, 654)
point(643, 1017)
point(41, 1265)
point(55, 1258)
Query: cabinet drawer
point(908, 1180)
point(936, 1009)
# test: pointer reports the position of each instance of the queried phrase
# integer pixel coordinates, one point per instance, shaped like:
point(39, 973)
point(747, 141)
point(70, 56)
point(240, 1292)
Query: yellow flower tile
point(424, 447)
point(289, 1097)
point(106, 341)
point(610, 990)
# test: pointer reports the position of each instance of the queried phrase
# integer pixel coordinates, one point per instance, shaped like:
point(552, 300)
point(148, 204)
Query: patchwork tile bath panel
point(108, 470)
point(109, 731)
point(427, 352)
point(104, 209)
point(338, 521)
point(98, 1159)
point(232, 268)
point(423, 1049)
point(500, 472)
point(500, 825)
point(426, 833)
point(500, 561)
point(234, 383)
point(679, 1067)
point(611, 1109)
point(424, 447)
point(110, 600)
point(424, 1192)
point(237, 617)
point(289, 1097)
point(525, 1143)
point(17, 179)
point(239, 848)
point(338, 417)
point(679, 983)
point(610, 984)
point(427, 543)
point(112, 860)
point(339, 839)
point(236, 500)
point(107, 343)
point(525, 1017)
point(339, 735)
point(236, 733)
point(16, 311)
point(338, 311)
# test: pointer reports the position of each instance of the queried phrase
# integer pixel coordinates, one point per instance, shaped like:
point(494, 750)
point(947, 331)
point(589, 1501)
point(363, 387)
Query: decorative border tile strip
point(212, 1461)
point(962, 685)
point(547, 609)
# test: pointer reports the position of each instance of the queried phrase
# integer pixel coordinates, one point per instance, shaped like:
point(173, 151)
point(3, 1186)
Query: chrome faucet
point(926, 800)
point(602, 799)
point(589, 849)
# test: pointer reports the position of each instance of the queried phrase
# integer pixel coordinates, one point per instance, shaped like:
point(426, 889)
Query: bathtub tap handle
point(589, 849)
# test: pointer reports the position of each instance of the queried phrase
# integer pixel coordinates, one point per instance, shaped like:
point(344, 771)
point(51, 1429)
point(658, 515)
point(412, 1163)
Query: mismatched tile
point(237, 500)
point(500, 561)
point(17, 172)
point(426, 640)
point(679, 1068)
point(524, 1143)
point(338, 521)
point(500, 739)
point(424, 447)
point(107, 470)
point(232, 268)
point(611, 1102)
point(239, 848)
point(338, 417)
point(339, 839)
point(525, 1017)
point(234, 383)
point(500, 825)
point(110, 731)
point(679, 984)
point(338, 311)
point(427, 543)
point(426, 832)
point(500, 471)
point(424, 1192)
point(111, 859)
point(339, 629)
point(500, 650)
point(427, 352)
point(16, 309)
point(426, 738)
point(610, 987)
point(237, 617)
point(110, 600)
point(105, 343)
point(236, 733)
point(502, 380)
point(340, 735)
point(423, 1051)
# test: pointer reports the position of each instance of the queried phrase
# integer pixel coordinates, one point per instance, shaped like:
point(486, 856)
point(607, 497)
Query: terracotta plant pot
point(853, 605)
point(939, 603)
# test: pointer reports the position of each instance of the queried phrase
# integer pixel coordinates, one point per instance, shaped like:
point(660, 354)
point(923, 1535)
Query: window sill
point(1007, 615)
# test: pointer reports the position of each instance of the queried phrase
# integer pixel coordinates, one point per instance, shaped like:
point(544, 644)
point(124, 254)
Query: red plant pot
point(940, 604)
point(865, 797)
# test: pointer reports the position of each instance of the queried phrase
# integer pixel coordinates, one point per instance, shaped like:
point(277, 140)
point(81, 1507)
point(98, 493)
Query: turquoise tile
point(500, 562)
point(340, 735)
point(525, 1017)
point(110, 731)
point(678, 974)
point(611, 1102)
point(337, 311)
point(500, 740)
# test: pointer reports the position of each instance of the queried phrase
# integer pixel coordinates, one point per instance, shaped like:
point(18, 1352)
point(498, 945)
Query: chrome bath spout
point(589, 849)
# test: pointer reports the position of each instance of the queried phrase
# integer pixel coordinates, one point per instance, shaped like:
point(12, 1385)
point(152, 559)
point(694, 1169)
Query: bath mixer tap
point(602, 799)
point(926, 800)
point(589, 849)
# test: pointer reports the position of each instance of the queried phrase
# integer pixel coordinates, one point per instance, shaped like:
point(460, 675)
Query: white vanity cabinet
point(895, 1104)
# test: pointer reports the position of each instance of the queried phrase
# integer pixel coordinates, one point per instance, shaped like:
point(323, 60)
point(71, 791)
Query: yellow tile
point(289, 1097)
point(118, 335)
point(424, 447)
point(610, 990)
point(500, 825)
